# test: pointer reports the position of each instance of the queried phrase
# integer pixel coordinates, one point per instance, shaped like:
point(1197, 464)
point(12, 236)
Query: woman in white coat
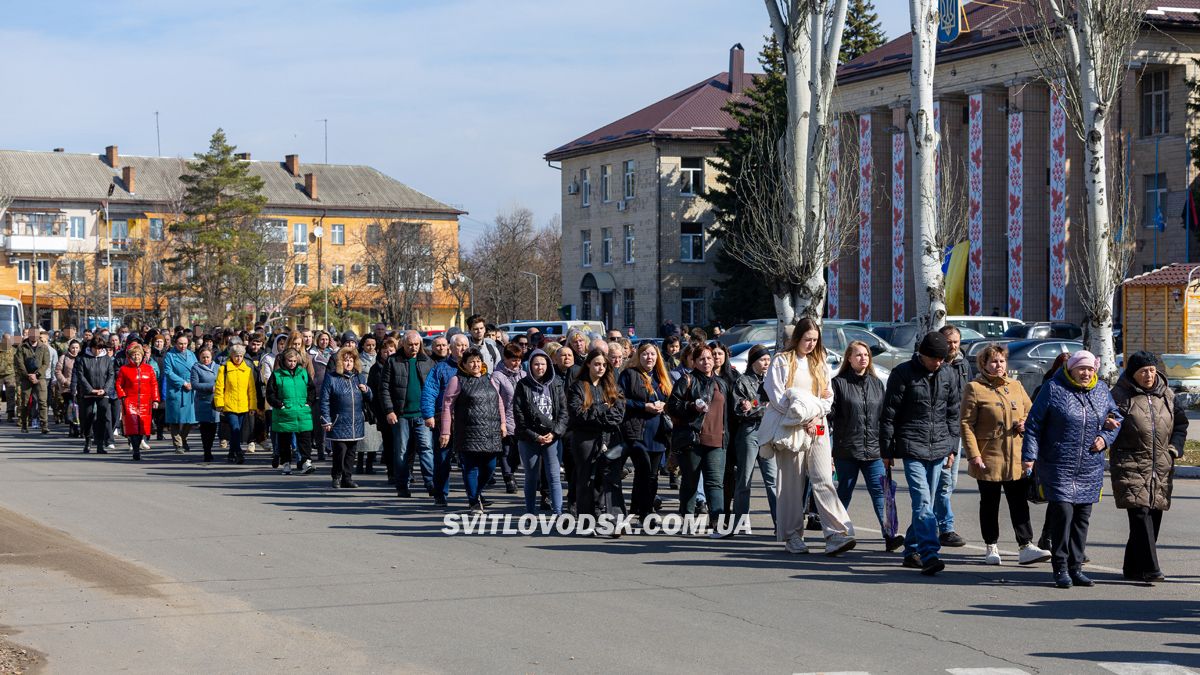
point(794, 427)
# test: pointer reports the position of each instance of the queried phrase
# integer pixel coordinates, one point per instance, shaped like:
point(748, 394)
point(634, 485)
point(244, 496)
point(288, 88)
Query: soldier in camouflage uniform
point(31, 360)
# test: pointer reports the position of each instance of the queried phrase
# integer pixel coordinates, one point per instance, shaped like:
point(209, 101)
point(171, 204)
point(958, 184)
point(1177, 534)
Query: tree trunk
point(927, 259)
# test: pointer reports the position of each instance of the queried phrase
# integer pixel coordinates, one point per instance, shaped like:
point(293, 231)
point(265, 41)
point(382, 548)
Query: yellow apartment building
point(344, 241)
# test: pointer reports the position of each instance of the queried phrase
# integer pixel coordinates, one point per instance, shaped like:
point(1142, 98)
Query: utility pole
point(33, 276)
point(536, 299)
point(157, 135)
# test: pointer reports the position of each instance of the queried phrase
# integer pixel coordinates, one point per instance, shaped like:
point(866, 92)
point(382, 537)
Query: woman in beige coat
point(992, 420)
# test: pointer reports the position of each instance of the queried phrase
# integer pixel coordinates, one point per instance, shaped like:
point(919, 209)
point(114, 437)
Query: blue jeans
point(923, 478)
point(477, 470)
point(539, 459)
point(942, 509)
point(745, 449)
point(697, 462)
point(847, 477)
point(235, 420)
point(404, 431)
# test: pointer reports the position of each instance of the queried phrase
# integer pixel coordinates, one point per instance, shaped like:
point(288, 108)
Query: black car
point(1045, 330)
point(1029, 360)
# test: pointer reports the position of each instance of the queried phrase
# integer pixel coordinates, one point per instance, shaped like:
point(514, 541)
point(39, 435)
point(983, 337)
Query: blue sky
point(457, 98)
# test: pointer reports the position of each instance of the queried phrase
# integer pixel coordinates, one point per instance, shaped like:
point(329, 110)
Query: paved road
point(172, 566)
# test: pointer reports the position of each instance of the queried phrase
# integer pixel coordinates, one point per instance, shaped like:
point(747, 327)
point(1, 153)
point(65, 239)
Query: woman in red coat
point(137, 387)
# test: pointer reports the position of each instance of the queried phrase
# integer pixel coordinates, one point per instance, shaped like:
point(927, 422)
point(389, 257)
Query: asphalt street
point(169, 565)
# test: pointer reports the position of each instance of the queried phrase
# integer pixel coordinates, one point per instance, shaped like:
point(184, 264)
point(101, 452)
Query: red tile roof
point(1175, 274)
point(694, 113)
point(995, 25)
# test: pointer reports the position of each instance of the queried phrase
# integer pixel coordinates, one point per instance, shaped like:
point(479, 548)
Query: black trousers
point(1141, 552)
point(342, 466)
point(510, 459)
point(1015, 492)
point(93, 417)
point(208, 432)
point(645, 479)
point(597, 480)
point(1068, 526)
point(283, 446)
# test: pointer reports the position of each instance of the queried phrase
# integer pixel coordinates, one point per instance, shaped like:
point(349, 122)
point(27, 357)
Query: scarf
point(1085, 387)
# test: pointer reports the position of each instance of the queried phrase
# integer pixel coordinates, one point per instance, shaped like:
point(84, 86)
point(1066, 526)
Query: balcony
point(42, 243)
point(132, 247)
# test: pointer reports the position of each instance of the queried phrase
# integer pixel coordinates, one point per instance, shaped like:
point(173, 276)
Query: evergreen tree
point(219, 249)
point(744, 293)
point(863, 32)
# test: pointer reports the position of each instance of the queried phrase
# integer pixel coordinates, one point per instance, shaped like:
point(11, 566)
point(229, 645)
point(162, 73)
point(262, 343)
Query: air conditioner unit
point(572, 188)
point(356, 268)
point(622, 205)
point(12, 260)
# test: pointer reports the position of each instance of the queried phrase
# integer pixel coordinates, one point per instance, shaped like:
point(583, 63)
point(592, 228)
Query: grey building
point(636, 242)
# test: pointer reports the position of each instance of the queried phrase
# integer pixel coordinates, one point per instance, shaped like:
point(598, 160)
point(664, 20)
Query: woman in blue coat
point(1066, 434)
point(203, 378)
point(179, 400)
point(344, 397)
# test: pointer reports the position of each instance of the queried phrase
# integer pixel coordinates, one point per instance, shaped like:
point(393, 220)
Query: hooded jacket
point(540, 406)
point(1150, 438)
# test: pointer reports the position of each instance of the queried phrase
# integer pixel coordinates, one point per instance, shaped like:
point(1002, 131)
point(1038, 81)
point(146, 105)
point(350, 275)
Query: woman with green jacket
point(291, 393)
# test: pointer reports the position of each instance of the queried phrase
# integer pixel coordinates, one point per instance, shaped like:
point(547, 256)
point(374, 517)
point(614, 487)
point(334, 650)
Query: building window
point(630, 307)
point(156, 229)
point(606, 243)
point(691, 174)
point(1155, 200)
point(605, 182)
point(118, 232)
point(157, 275)
point(23, 267)
point(273, 275)
point(43, 271)
point(275, 231)
point(693, 307)
point(630, 167)
point(374, 234)
point(586, 236)
point(585, 305)
point(1155, 99)
point(338, 276)
point(75, 270)
point(628, 243)
point(78, 227)
point(300, 274)
point(691, 238)
point(337, 234)
point(120, 276)
point(373, 275)
point(585, 186)
point(300, 237)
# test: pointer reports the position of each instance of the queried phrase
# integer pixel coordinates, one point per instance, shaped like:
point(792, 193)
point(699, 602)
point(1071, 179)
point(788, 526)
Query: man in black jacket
point(942, 509)
point(401, 382)
point(919, 424)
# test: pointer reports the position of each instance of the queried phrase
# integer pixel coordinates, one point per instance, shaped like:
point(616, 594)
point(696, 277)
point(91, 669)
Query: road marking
point(986, 671)
point(1157, 668)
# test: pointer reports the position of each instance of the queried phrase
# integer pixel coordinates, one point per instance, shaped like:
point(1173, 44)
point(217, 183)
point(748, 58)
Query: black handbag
point(1034, 492)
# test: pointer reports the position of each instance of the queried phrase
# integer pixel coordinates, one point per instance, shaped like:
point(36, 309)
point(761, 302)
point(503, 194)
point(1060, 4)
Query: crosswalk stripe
point(1160, 668)
point(986, 671)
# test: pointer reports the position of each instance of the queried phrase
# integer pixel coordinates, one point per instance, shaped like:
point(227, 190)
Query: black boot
point(208, 456)
point(510, 485)
point(1061, 578)
point(371, 462)
point(1080, 579)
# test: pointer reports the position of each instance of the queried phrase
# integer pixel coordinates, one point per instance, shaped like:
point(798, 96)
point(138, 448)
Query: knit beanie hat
point(1139, 360)
point(1082, 358)
point(934, 346)
point(756, 353)
point(349, 336)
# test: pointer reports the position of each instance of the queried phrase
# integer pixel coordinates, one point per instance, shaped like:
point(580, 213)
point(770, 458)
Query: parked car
point(738, 360)
point(836, 335)
point(553, 327)
point(989, 326)
point(902, 335)
point(1029, 360)
point(971, 349)
point(1045, 330)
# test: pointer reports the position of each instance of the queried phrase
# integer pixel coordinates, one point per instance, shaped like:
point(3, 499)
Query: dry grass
point(1191, 454)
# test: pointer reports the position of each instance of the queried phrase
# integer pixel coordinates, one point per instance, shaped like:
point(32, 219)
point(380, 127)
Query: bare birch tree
point(1081, 49)
point(810, 34)
point(924, 139)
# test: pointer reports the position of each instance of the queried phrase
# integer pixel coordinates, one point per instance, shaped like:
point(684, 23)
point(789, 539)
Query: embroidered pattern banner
point(975, 205)
point(1016, 215)
point(898, 226)
point(1058, 208)
point(835, 150)
point(865, 167)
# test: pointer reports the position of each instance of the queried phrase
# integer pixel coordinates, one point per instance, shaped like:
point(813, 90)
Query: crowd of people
point(582, 412)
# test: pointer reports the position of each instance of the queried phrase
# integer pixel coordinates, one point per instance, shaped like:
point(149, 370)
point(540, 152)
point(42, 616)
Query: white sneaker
point(224, 445)
point(992, 557)
point(287, 469)
point(795, 544)
point(839, 543)
point(110, 447)
point(307, 467)
point(145, 444)
point(1030, 554)
point(250, 450)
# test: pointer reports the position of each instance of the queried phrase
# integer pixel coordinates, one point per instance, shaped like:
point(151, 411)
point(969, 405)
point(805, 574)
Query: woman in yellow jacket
point(234, 397)
point(993, 413)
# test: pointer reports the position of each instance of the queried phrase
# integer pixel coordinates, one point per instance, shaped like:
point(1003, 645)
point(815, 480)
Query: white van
point(12, 316)
point(552, 327)
point(989, 326)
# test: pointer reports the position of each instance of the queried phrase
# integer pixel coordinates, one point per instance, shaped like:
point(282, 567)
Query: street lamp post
point(536, 298)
